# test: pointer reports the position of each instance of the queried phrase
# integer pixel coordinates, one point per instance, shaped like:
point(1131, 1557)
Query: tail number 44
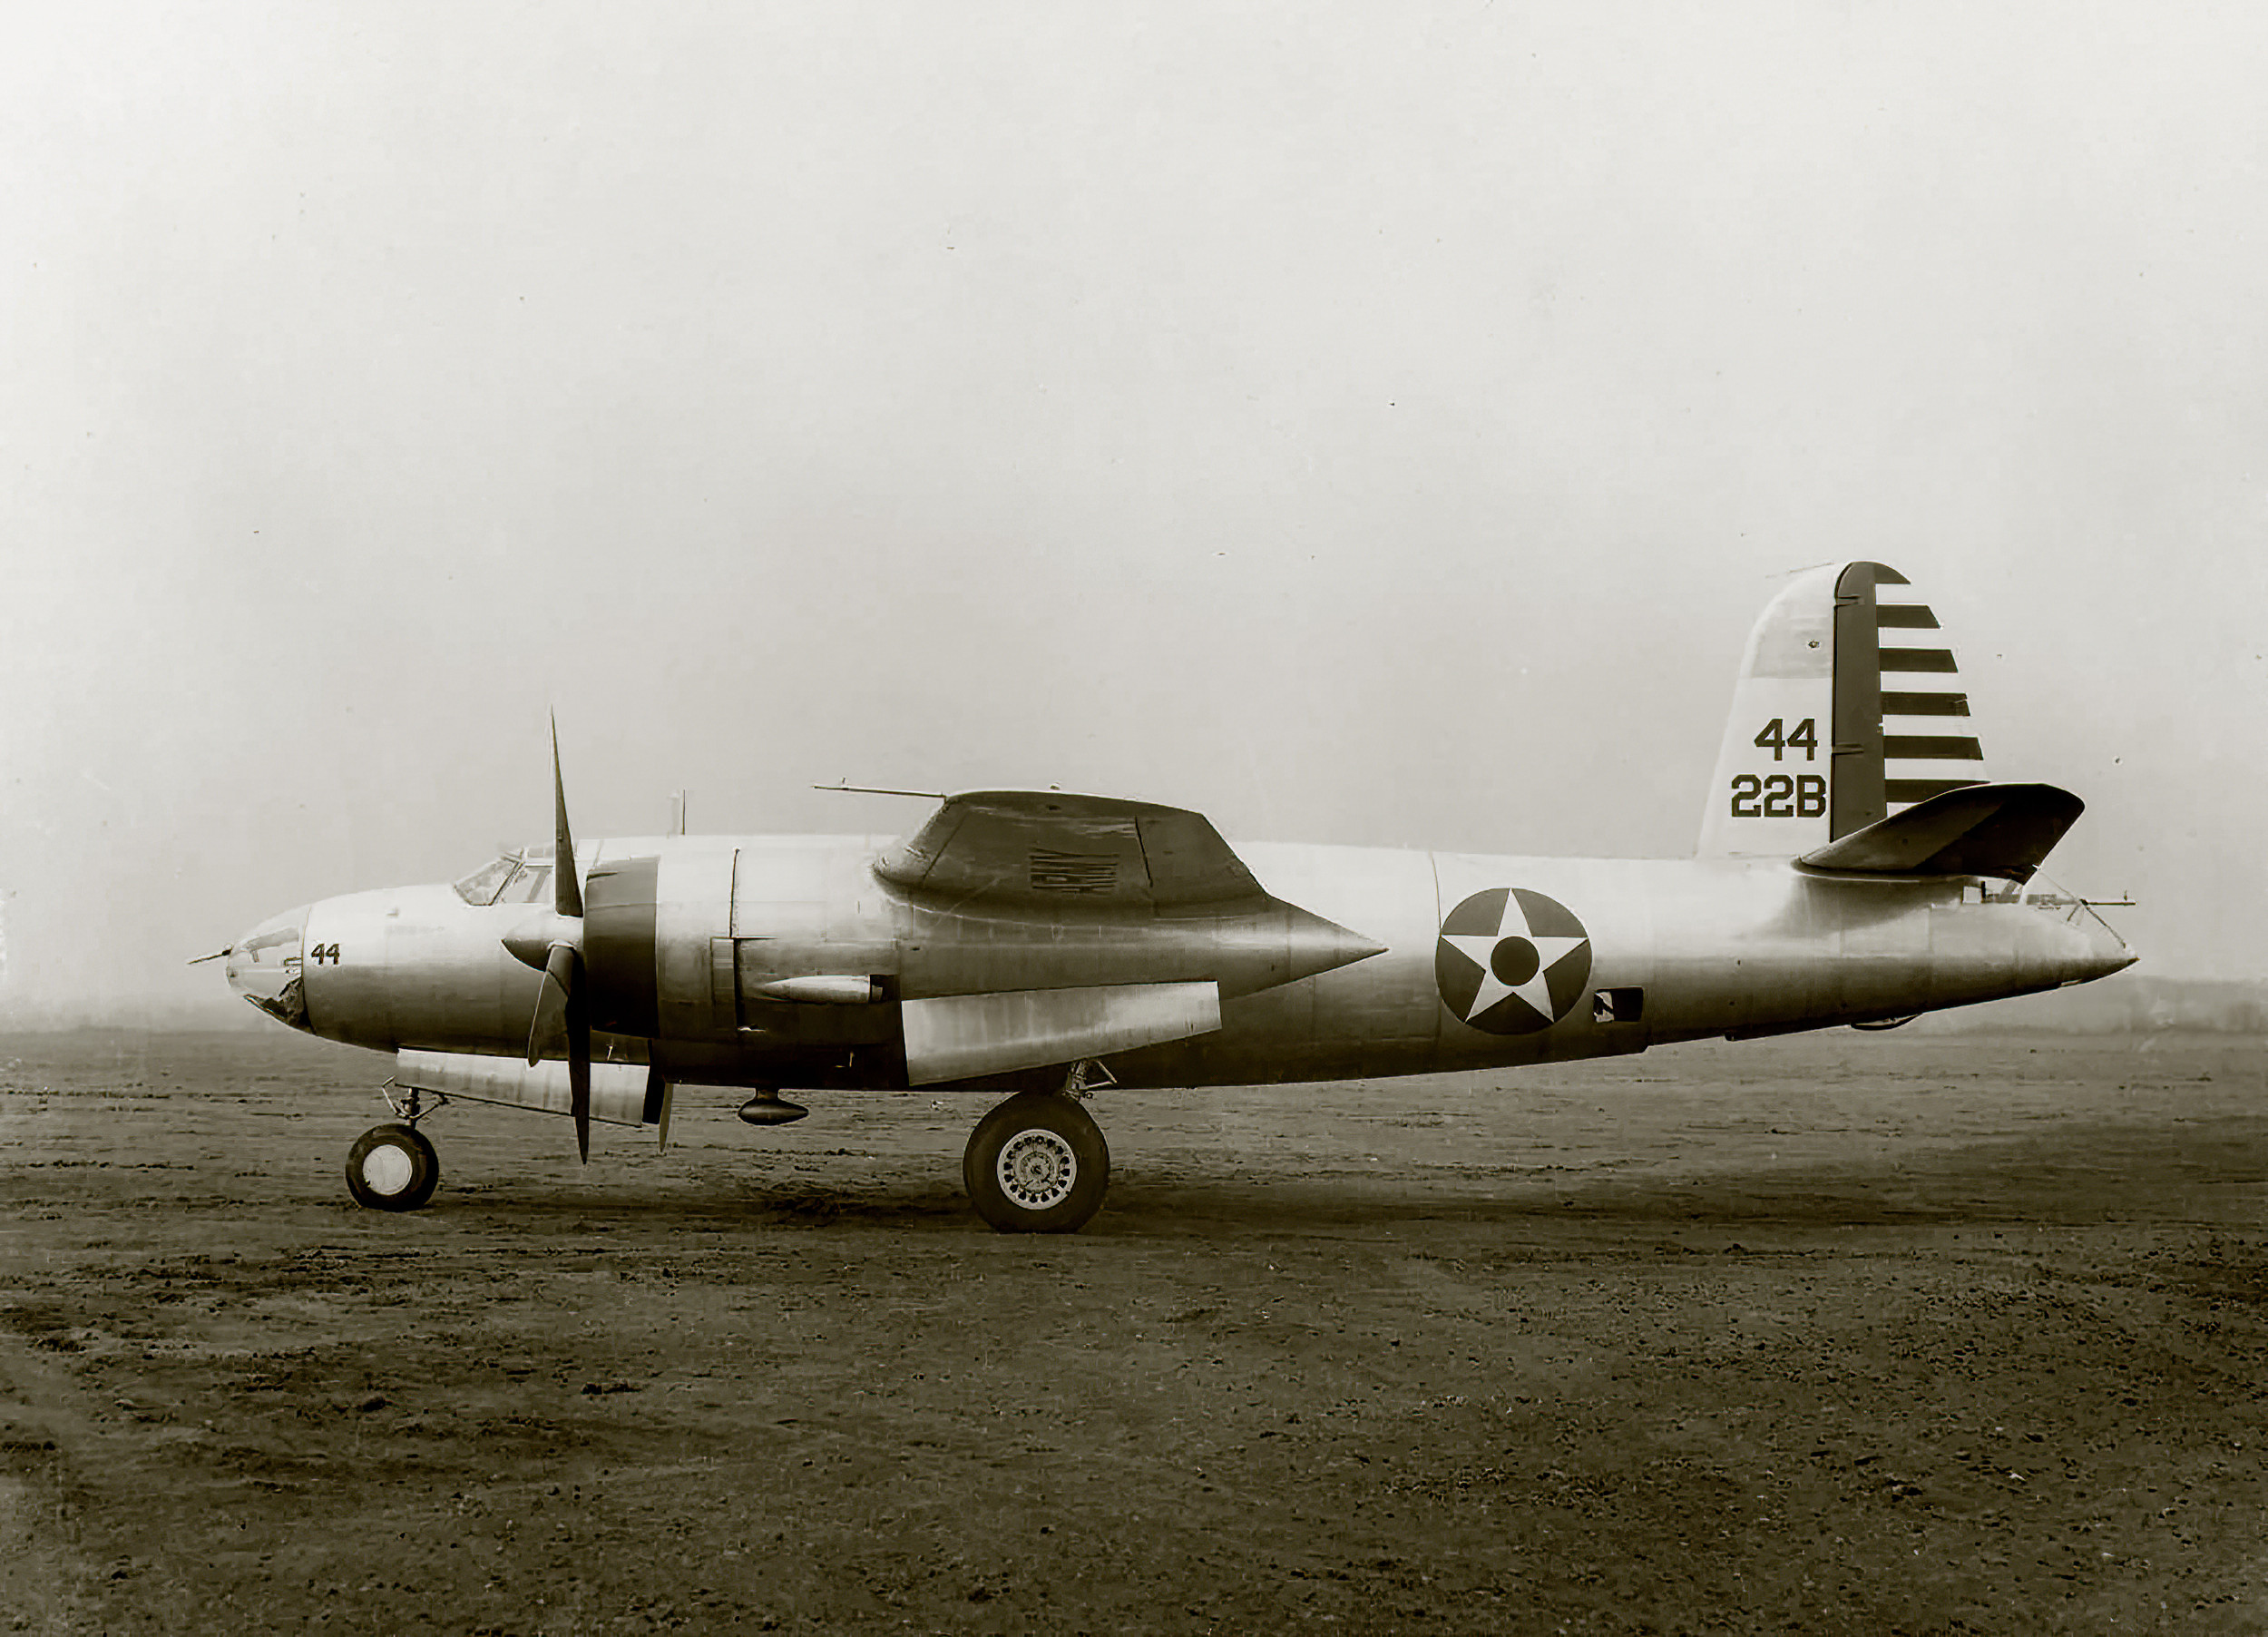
point(1781, 795)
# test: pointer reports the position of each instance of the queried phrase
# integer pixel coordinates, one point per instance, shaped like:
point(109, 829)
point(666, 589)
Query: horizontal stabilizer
point(2002, 830)
point(957, 1036)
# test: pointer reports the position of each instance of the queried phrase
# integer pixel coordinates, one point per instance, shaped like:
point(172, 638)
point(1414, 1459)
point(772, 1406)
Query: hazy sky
point(1370, 423)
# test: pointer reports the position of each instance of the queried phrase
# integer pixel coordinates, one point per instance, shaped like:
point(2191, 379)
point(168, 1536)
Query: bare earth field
point(1840, 1333)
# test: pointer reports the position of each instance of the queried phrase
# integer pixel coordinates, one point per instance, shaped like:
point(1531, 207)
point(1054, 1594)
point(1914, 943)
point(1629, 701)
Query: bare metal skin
point(1855, 868)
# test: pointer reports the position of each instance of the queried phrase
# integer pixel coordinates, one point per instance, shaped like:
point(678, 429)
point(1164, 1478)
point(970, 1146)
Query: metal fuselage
point(1677, 950)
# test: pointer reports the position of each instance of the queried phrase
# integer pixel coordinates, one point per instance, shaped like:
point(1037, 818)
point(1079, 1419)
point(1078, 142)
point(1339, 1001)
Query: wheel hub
point(387, 1169)
point(1037, 1168)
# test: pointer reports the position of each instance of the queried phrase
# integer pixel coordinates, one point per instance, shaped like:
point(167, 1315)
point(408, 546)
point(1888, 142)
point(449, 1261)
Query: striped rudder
point(1928, 746)
point(1848, 708)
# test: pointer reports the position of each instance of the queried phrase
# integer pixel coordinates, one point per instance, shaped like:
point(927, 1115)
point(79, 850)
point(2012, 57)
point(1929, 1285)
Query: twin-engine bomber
point(1854, 867)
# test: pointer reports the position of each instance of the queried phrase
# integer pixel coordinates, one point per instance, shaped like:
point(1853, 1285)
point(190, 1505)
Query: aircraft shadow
point(2110, 1175)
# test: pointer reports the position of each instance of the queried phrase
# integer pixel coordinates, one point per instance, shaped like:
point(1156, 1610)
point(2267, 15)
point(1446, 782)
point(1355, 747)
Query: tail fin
point(1848, 711)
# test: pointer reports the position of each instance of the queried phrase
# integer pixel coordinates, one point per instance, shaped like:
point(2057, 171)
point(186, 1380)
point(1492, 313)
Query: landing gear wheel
point(391, 1168)
point(1037, 1164)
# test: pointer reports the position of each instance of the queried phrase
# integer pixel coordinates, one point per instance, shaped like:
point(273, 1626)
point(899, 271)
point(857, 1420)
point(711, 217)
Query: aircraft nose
point(264, 967)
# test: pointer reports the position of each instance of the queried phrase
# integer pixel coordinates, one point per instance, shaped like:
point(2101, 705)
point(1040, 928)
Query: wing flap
point(959, 1036)
point(2003, 830)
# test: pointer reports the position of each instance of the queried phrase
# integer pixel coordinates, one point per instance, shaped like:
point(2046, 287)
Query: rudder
point(1847, 710)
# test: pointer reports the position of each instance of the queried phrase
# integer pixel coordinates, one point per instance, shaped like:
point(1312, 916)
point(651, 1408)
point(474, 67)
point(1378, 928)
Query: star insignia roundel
point(1511, 961)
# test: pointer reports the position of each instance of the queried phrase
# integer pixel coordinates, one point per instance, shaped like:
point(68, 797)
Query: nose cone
point(2107, 952)
point(2090, 949)
point(264, 967)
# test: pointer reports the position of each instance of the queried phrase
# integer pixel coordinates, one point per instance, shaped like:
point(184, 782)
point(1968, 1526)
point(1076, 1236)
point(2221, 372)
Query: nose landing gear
point(393, 1167)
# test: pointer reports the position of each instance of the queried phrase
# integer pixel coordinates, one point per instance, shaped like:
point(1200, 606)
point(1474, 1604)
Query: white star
point(1479, 948)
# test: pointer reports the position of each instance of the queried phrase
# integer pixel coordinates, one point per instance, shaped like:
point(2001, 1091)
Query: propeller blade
point(566, 880)
point(563, 969)
point(579, 1056)
point(551, 1005)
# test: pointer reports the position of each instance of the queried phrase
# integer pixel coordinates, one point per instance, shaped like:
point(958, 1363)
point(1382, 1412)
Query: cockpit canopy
point(524, 876)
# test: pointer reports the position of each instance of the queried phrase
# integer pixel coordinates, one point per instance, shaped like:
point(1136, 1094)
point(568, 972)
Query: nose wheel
point(1037, 1164)
point(391, 1168)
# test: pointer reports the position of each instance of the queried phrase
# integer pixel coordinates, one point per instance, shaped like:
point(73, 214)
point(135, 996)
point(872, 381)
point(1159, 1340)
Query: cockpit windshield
point(515, 878)
point(480, 888)
point(533, 885)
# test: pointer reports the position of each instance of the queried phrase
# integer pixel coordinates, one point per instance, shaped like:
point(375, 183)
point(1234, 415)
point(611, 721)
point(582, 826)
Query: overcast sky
point(1369, 424)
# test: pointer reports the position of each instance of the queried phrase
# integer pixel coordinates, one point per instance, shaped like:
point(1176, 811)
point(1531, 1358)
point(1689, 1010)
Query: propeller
point(555, 944)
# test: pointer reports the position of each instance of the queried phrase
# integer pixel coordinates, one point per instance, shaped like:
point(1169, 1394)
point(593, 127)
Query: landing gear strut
point(1037, 1164)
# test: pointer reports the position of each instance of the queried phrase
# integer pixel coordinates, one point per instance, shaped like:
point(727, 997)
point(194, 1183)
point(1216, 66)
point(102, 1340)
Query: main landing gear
point(393, 1167)
point(1037, 1164)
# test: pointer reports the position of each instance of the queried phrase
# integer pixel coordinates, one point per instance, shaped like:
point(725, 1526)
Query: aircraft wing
point(1034, 849)
point(1050, 927)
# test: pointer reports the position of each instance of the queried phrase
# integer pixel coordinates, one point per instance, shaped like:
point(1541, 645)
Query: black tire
point(1037, 1164)
point(391, 1168)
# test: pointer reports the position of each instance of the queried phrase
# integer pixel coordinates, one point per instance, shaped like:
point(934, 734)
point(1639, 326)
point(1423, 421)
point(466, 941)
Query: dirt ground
point(1842, 1333)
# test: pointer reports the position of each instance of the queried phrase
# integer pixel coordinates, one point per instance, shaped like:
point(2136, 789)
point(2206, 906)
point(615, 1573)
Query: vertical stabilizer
point(1847, 710)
